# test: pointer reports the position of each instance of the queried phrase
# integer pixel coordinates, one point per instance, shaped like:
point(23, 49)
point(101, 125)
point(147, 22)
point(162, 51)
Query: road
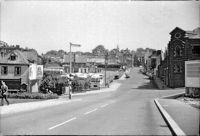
point(130, 110)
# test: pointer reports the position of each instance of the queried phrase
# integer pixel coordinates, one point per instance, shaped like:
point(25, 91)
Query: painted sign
point(35, 71)
point(39, 71)
point(32, 71)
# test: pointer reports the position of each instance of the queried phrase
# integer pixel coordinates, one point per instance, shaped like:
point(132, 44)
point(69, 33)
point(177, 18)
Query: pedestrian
point(70, 89)
point(4, 93)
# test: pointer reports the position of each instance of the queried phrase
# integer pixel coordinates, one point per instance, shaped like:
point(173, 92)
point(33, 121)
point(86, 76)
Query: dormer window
point(12, 57)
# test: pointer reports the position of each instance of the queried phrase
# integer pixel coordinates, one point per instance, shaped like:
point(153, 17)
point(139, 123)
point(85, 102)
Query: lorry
point(192, 78)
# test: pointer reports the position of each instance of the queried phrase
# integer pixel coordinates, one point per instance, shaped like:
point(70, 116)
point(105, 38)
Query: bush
point(53, 83)
point(79, 84)
point(35, 95)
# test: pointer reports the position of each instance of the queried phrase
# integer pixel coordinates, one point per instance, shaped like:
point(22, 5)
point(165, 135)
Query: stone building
point(183, 46)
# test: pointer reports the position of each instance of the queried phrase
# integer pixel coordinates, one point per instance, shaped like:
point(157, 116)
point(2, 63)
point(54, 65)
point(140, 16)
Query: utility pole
point(106, 62)
point(70, 67)
point(70, 62)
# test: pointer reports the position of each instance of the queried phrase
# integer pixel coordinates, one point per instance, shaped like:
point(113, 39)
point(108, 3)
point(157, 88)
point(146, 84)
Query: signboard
point(32, 71)
point(35, 71)
point(39, 71)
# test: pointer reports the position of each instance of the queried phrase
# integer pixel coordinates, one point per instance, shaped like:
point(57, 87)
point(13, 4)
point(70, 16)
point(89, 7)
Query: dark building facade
point(183, 46)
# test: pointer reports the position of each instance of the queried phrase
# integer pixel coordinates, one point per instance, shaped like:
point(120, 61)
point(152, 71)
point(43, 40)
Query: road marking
point(90, 111)
point(104, 105)
point(62, 123)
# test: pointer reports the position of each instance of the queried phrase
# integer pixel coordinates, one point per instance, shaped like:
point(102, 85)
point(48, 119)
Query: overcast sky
point(51, 25)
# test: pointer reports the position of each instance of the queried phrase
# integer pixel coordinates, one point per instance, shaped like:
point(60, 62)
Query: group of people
point(4, 93)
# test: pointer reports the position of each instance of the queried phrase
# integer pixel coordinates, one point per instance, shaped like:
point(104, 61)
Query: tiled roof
point(20, 58)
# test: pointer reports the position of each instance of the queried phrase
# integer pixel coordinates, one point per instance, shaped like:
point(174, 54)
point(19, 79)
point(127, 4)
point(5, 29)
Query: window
point(4, 70)
point(196, 50)
point(177, 68)
point(12, 57)
point(177, 35)
point(177, 51)
point(17, 71)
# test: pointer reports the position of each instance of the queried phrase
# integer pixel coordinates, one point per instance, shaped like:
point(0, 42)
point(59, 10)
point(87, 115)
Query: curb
point(114, 87)
point(175, 129)
point(173, 96)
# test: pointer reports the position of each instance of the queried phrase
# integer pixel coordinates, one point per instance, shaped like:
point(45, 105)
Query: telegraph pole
point(106, 62)
point(70, 62)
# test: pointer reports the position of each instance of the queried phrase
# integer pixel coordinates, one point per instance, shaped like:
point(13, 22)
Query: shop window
point(4, 70)
point(17, 71)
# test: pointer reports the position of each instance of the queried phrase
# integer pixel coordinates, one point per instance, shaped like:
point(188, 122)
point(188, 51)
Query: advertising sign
point(39, 71)
point(32, 71)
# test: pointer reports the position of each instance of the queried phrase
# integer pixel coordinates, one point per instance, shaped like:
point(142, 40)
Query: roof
point(78, 58)
point(20, 58)
point(155, 53)
point(194, 34)
point(176, 29)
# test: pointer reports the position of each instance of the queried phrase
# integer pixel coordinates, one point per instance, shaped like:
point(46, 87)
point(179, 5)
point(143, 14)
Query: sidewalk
point(30, 106)
point(181, 118)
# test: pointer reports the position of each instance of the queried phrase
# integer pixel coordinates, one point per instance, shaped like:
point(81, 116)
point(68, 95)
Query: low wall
point(159, 83)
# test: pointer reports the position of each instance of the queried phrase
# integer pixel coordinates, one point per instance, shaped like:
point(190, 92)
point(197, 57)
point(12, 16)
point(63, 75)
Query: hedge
point(35, 95)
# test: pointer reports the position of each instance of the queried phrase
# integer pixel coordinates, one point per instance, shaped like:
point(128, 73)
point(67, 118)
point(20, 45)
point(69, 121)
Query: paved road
point(128, 110)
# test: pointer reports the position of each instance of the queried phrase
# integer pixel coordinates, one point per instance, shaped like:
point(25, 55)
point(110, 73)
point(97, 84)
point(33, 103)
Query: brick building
point(183, 46)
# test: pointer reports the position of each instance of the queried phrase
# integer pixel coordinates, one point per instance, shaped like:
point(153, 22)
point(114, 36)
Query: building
point(183, 46)
point(14, 69)
point(78, 63)
point(155, 60)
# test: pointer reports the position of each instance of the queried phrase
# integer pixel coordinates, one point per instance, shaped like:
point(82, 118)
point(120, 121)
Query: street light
point(70, 65)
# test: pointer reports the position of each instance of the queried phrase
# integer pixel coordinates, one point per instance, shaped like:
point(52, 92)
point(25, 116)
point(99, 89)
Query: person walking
point(4, 93)
point(70, 90)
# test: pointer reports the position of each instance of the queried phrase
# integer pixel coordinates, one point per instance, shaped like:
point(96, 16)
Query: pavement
point(181, 118)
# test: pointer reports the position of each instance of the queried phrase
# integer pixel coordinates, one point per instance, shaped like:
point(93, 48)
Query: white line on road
point(104, 105)
point(62, 123)
point(90, 111)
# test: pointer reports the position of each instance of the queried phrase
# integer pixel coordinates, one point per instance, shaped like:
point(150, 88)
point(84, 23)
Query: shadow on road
point(150, 85)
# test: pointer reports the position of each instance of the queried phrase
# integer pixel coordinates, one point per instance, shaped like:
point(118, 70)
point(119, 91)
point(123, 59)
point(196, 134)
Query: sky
point(52, 25)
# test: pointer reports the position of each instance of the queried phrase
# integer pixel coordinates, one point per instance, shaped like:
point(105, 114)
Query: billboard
point(35, 71)
point(39, 71)
point(32, 71)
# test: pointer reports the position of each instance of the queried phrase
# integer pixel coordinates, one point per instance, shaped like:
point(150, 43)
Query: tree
point(99, 50)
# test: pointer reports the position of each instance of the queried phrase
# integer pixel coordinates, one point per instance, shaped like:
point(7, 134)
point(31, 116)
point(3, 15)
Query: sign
point(39, 71)
point(32, 71)
point(35, 71)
